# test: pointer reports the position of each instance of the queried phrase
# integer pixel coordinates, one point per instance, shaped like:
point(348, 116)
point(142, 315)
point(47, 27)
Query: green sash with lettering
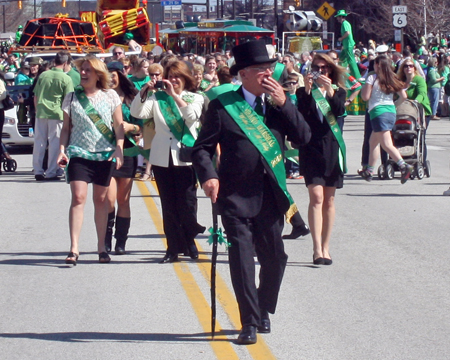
point(174, 121)
point(261, 137)
point(94, 116)
point(325, 108)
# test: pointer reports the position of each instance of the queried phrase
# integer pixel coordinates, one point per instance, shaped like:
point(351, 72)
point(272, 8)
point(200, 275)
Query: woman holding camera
point(176, 111)
point(322, 160)
point(91, 136)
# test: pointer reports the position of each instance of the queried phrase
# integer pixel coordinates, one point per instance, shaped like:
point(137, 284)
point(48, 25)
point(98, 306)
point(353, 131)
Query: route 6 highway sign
point(399, 20)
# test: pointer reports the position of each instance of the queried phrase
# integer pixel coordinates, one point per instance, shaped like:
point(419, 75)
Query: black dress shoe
point(319, 261)
point(193, 251)
point(327, 261)
point(39, 177)
point(264, 328)
point(200, 229)
point(247, 335)
point(169, 258)
point(297, 232)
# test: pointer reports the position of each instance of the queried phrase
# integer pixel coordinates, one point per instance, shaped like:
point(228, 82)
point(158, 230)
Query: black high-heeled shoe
point(169, 258)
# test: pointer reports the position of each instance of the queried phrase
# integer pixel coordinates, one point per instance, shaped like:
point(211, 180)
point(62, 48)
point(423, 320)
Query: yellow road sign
point(326, 10)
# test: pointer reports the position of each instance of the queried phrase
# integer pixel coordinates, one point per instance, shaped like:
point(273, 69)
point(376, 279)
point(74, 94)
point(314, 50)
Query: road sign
point(171, 3)
point(401, 9)
point(326, 10)
point(399, 20)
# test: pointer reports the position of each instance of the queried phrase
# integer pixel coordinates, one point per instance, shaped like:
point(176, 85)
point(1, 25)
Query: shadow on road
point(119, 337)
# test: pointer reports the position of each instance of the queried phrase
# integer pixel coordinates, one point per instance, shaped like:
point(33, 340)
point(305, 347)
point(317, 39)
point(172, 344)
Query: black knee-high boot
point(109, 230)
point(121, 235)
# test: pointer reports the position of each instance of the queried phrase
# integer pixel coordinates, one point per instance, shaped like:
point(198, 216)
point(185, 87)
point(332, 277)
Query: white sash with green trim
point(261, 137)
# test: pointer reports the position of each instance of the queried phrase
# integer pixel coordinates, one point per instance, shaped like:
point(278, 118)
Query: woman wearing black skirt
point(122, 179)
point(319, 159)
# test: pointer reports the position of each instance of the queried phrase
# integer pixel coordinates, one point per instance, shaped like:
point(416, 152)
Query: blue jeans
point(433, 96)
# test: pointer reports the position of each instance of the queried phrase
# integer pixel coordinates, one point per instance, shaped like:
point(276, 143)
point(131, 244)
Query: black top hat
point(248, 54)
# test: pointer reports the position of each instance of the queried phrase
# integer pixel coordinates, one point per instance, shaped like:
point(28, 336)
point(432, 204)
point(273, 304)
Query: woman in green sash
point(122, 179)
point(321, 101)
point(91, 137)
point(176, 111)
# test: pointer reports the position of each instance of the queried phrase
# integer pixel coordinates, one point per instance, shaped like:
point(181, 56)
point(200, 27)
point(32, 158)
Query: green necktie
point(259, 107)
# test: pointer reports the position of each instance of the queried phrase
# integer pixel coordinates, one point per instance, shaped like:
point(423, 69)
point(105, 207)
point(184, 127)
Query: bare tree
point(375, 17)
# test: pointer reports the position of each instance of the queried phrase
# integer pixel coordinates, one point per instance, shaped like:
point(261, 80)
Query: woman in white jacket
point(176, 112)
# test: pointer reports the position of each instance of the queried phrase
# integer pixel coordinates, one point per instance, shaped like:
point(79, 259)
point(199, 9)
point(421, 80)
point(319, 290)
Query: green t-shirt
point(348, 43)
point(139, 83)
point(75, 76)
point(51, 89)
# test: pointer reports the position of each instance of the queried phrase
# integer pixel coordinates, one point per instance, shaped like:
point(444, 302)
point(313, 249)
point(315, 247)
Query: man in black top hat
point(251, 125)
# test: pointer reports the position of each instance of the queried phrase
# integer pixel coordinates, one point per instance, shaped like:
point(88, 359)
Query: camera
point(159, 85)
point(315, 74)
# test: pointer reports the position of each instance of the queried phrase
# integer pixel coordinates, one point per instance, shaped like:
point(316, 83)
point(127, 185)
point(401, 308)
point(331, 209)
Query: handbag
point(7, 103)
point(185, 151)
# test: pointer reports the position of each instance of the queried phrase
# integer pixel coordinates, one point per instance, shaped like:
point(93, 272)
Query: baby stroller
point(8, 164)
point(408, 137)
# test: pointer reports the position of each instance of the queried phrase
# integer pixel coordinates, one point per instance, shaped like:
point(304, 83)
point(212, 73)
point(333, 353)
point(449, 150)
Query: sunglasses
point(409, 66)
point(117, 53)
point(319, 68)
point(154, 74)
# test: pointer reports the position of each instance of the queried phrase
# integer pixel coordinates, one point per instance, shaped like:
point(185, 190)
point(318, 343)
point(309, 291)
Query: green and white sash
point(325, 108)
point(261, 137)
point(174, 121)
point(94, 116)
point(278, 71)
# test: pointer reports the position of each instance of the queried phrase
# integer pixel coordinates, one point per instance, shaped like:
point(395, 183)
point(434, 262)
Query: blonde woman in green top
point(416, 90)
point(434, 81)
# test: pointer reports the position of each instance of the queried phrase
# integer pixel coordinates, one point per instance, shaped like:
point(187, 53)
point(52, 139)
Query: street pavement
point(386, 296)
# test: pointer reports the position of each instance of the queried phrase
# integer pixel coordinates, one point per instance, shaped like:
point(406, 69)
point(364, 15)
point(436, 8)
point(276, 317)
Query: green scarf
point(174, 121)
point(325, 108)
point(261, 137)
point(94, 116)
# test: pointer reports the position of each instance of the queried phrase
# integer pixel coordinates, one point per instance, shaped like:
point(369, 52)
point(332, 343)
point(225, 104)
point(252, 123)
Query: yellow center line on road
point(259, 351)
point(222, 348)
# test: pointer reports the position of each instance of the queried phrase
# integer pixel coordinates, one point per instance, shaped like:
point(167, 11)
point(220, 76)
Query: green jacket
point(417, 90)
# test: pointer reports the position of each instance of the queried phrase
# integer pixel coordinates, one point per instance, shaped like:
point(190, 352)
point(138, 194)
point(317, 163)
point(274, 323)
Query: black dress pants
point(262, 234)
point(178, 194)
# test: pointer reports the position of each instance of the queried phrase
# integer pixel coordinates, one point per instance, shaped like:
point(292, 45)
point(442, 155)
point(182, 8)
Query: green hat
point(20, 27)
point(341, 13)
point(128, 36)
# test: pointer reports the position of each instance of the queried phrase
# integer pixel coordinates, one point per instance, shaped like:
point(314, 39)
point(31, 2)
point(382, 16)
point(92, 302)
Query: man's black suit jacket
point(242, 168)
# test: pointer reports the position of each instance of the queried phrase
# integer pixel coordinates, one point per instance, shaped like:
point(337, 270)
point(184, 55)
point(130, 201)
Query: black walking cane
point(213, 268)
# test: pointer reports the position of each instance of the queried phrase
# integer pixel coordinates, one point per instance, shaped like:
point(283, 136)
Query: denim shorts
point(383, 122)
